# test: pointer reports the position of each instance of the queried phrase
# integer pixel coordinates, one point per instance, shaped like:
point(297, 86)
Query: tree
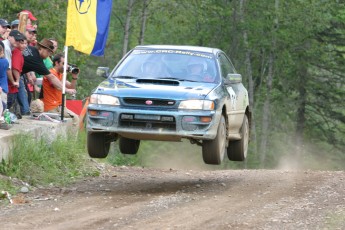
point(143, 22)
point(127, 26)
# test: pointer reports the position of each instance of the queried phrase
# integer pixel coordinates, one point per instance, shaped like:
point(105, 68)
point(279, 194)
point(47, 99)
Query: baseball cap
point(30, 28)
point(18, 36)
point(3, 22)
point(15, 22)
point(30, 15)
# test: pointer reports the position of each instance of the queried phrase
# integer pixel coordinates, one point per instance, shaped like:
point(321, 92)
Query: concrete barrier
point(37, 128)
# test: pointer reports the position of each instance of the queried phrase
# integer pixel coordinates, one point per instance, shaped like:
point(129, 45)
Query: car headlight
point(104, 99)
point(197, 104)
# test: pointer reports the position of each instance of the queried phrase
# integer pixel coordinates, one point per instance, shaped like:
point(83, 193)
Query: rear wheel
point(213, 151)
point(98, 145)
point(128, 146)
point(237, 150)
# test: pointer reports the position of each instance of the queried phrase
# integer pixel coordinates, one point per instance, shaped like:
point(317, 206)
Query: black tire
point(213, 151)
point(98, 145)
point(237, 150)
point(128, 146)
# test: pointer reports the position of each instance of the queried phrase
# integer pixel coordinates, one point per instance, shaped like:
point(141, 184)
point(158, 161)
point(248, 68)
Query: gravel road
point(141, 198)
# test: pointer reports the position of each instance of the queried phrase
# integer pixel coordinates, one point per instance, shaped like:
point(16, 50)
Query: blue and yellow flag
point(88, 25)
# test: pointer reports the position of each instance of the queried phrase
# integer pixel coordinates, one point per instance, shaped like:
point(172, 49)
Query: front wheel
point(237, 150)
point(213, 151)
point(98, 145)
point(128, 146)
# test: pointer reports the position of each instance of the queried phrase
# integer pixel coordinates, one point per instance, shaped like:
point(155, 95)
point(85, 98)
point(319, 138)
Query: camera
point(73, 69)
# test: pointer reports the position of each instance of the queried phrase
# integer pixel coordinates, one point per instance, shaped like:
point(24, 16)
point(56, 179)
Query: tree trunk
point(267, 104)
point(249, 73)
point(143, 22)
point(127, 27)
point(234, 29)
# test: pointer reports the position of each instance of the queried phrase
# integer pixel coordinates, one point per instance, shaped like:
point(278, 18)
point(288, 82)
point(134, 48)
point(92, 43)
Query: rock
point(24, 189)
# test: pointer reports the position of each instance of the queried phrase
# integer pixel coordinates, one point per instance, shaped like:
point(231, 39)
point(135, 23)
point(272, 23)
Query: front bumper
point(140, 124)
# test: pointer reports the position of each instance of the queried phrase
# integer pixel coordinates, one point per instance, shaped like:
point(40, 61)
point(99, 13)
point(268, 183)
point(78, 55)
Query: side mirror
point(234, 78)
point(102, 72)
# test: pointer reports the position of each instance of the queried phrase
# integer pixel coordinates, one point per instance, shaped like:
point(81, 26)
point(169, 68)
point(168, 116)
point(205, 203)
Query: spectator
point(29, 78)
point(10, 43)
point(4, 29)
point(21, 95)
point(52, 98)
point(48, 62)
point(33, 61)
point(3, 86)
point(16, 84)
point(17, 66)
point(31, 35)
point(31, 18)
point(15, 24)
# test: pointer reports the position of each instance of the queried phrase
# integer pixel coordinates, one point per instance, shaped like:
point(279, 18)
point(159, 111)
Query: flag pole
point(64, 83)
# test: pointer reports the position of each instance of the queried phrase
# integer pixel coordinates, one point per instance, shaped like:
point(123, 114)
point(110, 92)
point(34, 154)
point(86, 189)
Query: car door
point(237, 100)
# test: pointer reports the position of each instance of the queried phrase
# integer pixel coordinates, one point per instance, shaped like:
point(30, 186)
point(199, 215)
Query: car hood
point(155, 88)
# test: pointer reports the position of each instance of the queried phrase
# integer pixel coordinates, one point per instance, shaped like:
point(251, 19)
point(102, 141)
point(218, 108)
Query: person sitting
point(151, 69)
point(52, 94)
point(197, 70)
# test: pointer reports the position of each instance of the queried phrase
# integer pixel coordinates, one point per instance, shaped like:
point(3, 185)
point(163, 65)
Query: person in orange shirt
point(52, 95)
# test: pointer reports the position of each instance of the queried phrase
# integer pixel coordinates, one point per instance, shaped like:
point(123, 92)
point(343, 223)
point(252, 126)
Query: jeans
point(23, 97)
point(12, 99)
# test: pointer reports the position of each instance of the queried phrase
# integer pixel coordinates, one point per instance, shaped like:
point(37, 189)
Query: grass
point(47, 162)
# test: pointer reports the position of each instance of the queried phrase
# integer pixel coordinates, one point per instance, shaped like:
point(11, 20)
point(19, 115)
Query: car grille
point(149, 102)
point(148, 122)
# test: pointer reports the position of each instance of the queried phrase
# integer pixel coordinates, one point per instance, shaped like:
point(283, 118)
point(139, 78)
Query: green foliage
point(6, 185)
point(42, 161)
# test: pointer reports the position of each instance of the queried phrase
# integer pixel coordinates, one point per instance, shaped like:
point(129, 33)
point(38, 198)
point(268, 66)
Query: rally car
point(170, 93)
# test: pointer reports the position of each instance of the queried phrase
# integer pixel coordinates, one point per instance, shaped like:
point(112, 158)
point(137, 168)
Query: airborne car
point(170, 93)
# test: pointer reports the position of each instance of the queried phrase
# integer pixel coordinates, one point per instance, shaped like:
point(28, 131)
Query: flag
point(87, 25)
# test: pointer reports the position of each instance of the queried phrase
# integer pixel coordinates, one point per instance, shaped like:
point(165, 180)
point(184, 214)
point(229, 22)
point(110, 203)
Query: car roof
point(180, 47)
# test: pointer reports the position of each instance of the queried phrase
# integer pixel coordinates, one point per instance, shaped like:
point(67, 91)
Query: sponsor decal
point(183, 52)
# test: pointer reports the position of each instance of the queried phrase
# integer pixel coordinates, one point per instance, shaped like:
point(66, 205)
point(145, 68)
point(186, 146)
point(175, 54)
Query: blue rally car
point(167, 93)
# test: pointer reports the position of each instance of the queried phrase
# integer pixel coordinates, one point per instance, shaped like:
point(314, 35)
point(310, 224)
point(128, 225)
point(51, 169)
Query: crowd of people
point(24, 62)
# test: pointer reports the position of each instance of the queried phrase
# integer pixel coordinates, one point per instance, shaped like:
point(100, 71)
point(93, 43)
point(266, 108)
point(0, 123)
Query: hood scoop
point(158, 81)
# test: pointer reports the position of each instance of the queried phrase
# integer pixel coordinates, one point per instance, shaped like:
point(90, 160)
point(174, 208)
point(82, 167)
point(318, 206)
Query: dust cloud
point(310, 156)
point(284, 156)
point(175, 155)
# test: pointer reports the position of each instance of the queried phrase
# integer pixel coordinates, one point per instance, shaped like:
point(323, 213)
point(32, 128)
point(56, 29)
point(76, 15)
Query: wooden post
point(23, 19)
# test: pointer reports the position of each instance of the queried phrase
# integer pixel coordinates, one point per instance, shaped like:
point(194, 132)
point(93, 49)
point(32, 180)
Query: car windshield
point(178, 65)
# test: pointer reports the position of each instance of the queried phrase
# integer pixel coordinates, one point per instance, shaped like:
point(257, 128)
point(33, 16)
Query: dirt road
point(136, 198)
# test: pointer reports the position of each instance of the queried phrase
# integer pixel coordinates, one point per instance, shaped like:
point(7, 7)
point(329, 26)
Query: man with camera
point(52, 95)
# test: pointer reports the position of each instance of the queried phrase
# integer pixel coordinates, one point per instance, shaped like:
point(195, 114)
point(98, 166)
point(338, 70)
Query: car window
point(226, 66)
point(169, 64)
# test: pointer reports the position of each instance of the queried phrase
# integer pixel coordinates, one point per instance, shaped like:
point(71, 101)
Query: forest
point(289, 52)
